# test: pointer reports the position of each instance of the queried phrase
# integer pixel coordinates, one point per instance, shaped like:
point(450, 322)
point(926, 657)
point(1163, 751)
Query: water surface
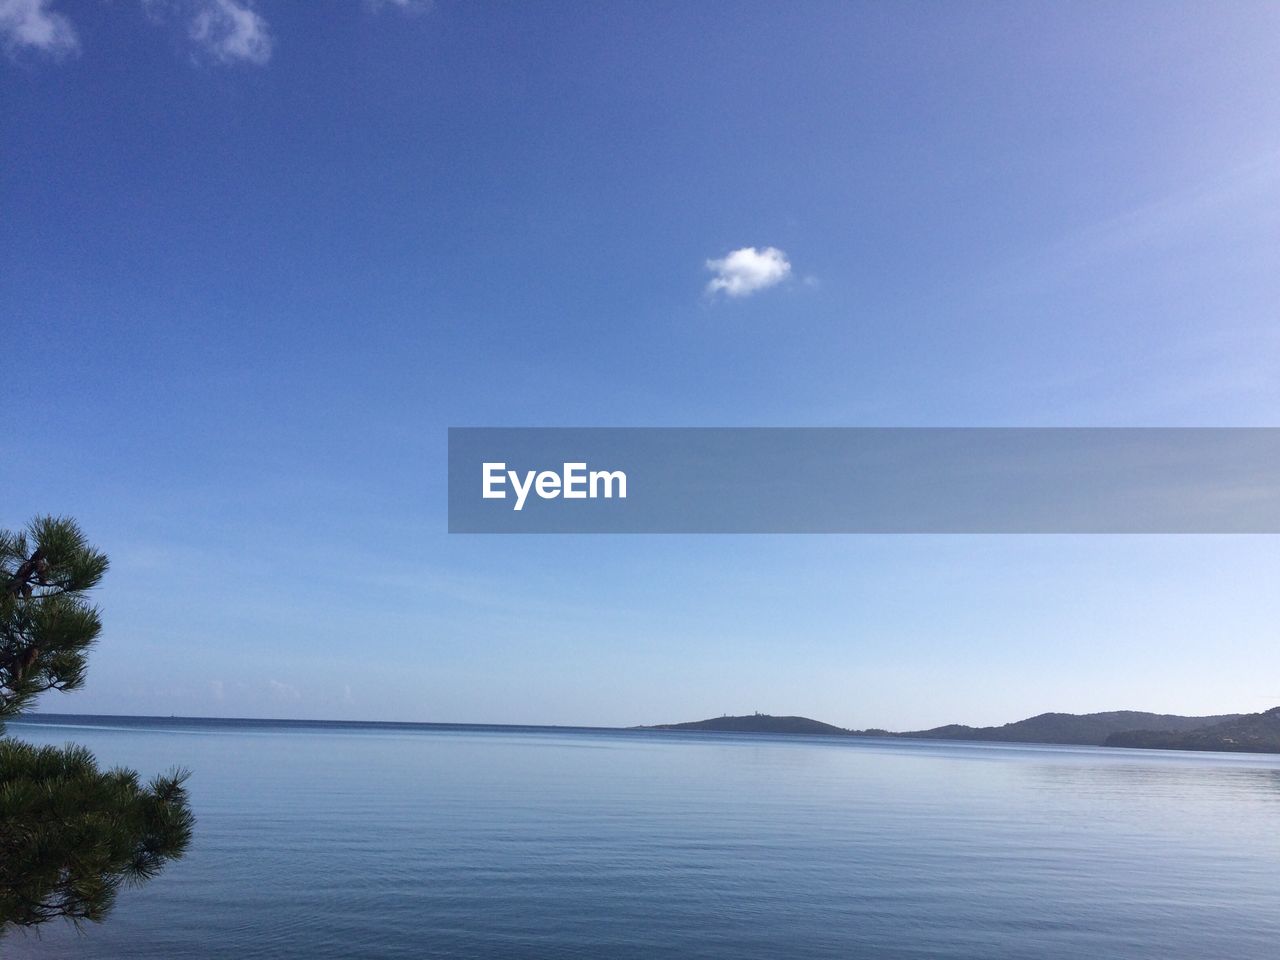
point(359, 841)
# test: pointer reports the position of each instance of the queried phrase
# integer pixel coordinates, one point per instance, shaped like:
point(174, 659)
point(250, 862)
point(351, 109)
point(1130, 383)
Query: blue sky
point(258, 257)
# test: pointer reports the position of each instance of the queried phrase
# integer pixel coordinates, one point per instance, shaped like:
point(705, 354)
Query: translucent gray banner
point(863, 480)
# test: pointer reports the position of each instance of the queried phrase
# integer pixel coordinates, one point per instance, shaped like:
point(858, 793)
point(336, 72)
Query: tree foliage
point(46, 621)
point(70, 834)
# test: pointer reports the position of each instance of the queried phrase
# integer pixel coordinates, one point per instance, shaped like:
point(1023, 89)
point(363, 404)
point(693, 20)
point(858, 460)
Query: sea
point(335, 840)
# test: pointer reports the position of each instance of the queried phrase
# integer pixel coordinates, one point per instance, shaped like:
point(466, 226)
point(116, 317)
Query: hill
point(1116, 728)
point(1251, 733)
point(1092, 729)
point(756, 723)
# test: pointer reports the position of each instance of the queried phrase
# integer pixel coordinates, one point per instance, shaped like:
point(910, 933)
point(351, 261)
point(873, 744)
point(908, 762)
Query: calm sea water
point(323, 841)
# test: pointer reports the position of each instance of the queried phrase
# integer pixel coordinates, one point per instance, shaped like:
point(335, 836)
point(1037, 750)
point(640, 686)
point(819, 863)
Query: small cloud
point(31, 23)
point(284, 692)
point(231, 31)
point(346, 693)
point(218, 689)
point(406, 6)
point(225, 31)
point(743, 272)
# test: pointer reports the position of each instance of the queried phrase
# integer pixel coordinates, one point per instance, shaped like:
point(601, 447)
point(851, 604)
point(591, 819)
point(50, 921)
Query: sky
point(256, 258)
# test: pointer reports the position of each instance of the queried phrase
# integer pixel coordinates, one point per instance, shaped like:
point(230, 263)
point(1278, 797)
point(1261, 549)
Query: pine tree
point(70, 834)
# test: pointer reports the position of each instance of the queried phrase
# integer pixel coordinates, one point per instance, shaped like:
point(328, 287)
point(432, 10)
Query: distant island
point(758, 723)
point(1250, 732)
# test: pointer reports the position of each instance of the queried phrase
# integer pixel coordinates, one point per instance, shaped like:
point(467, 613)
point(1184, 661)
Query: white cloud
point(231, 31)
point(226, 31)
point(745, 271)
point(284, 692)
point(408, 6)
point(31, 23)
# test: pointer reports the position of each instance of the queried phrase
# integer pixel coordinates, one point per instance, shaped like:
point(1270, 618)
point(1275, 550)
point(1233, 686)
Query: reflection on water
point(1176, 775)
point(317, 841)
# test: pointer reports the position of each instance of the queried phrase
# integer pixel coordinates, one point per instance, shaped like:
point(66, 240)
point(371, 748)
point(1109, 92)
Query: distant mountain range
point(1254, 732)
point(1093, 729)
